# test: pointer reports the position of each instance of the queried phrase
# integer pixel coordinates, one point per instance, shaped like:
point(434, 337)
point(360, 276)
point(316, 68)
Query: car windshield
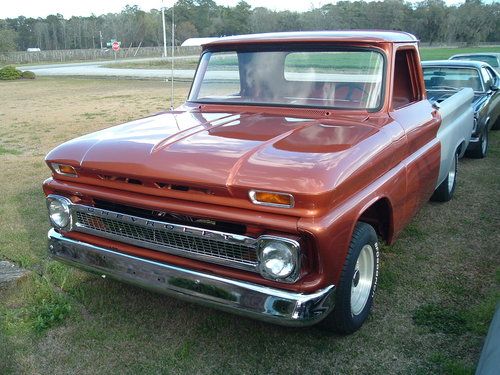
point(344, 79)
point(446, 78)
point(492, 60)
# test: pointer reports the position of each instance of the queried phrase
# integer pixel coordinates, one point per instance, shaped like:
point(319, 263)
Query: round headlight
point(59, 212)
point(277, 260)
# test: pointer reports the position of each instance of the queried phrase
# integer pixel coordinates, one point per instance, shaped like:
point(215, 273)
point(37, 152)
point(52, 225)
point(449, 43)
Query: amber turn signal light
point(268, 198)
point(65, 170)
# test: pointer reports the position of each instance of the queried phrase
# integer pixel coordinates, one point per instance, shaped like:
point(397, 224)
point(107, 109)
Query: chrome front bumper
point(247, 299)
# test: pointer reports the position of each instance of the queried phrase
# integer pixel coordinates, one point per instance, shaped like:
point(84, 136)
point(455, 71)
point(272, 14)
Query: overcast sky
point(68, 8)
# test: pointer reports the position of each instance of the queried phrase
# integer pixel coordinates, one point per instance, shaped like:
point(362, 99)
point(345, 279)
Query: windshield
point(345, 79)
point(492, 60)
point(445, 78)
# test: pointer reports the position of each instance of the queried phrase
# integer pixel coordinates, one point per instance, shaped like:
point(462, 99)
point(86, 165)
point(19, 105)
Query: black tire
point(496, 125)
point(481, 150)
point(348, 316)
point(445, 190)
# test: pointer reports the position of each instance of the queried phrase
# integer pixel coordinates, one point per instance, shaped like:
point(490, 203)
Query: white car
point(492, 58)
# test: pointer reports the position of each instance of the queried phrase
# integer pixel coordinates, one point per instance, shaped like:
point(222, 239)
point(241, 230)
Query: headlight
point(279, 258)
point(59, 212)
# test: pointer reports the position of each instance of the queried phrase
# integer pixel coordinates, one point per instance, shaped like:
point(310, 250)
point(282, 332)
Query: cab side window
point(406, 88)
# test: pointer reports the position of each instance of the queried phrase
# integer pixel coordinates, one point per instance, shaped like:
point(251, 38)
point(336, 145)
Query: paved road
point(98, 68)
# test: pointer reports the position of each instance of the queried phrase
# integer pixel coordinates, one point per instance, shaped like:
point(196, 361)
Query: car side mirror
point(494, 87)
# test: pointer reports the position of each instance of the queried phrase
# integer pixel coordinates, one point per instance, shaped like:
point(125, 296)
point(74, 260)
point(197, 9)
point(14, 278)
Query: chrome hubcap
point(484, 143)
point(362, 280)
point(452, 174)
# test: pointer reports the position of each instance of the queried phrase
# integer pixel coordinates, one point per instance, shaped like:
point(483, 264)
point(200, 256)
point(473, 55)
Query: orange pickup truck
point(267, 192)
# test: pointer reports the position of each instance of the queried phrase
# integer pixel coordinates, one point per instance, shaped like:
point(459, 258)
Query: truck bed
point(454, 133)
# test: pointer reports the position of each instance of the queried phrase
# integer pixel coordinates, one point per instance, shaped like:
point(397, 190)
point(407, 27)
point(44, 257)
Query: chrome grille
point(216, 247)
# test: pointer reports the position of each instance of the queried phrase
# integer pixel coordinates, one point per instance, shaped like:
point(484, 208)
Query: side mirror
point(494, 87)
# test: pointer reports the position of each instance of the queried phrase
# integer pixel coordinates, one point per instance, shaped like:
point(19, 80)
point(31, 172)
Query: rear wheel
point(496, 125)
point(445, 190)
point(358, 281)
point(482, 148)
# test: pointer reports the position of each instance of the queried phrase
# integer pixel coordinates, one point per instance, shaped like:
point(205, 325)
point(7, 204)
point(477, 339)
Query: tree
point(41, 31)
point(23, 27)
point(431, 20)
point(185, 30)
point(7, 40)
point(288, 21)
point(493, 10)
point(236, 20)
point(315, 19)
point(473, 22)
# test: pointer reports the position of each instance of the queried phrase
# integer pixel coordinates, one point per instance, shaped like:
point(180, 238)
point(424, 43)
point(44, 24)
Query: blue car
point(445, 77)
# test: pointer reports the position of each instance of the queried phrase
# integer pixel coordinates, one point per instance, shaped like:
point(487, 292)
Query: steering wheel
point(350, 92)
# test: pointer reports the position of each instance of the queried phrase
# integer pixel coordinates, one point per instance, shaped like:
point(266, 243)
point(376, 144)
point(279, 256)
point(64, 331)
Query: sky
point(68, 8)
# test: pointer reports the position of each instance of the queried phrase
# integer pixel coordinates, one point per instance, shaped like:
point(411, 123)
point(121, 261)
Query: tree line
point(431, 21)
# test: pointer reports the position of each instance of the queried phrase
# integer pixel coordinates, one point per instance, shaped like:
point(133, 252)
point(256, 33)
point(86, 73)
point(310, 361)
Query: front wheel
point(445, 190)
point(358, 281)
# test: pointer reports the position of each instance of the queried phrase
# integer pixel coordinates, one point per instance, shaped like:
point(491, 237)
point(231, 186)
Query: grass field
point(427, 53)
point(184, 63)
point(438, 285)
point(440, 53)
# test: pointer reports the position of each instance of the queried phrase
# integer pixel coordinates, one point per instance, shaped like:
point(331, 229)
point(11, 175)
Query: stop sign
point(115, 46)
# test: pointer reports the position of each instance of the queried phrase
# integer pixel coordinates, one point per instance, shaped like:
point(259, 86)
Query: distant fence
point(91, 54)
point(108, 54)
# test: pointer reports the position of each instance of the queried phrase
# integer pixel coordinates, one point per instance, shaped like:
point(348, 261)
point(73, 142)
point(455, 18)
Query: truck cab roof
point(368, 36)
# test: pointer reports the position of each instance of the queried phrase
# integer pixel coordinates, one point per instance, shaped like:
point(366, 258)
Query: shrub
point(28, 75)
point(9, 73)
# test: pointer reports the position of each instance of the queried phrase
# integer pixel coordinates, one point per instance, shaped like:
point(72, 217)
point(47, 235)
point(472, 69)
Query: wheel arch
point(379, 214)
point(461, 147)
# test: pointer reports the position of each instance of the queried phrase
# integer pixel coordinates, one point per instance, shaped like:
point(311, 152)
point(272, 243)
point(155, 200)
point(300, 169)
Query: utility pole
point(172, 57)
point(164, 29)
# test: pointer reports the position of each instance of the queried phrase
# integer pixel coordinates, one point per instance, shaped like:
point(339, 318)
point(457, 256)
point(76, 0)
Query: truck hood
point(229, 150)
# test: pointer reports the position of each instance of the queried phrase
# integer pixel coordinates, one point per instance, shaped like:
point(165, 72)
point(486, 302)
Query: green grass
point(438, 318)
point(388, 277)
point(450, 366)
point(93, 115)
point(48, 306)
point(184, 63)
point(440, 53)
point(414, 231)
point(298, 61)
point(6, 151)
point(438, 287)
